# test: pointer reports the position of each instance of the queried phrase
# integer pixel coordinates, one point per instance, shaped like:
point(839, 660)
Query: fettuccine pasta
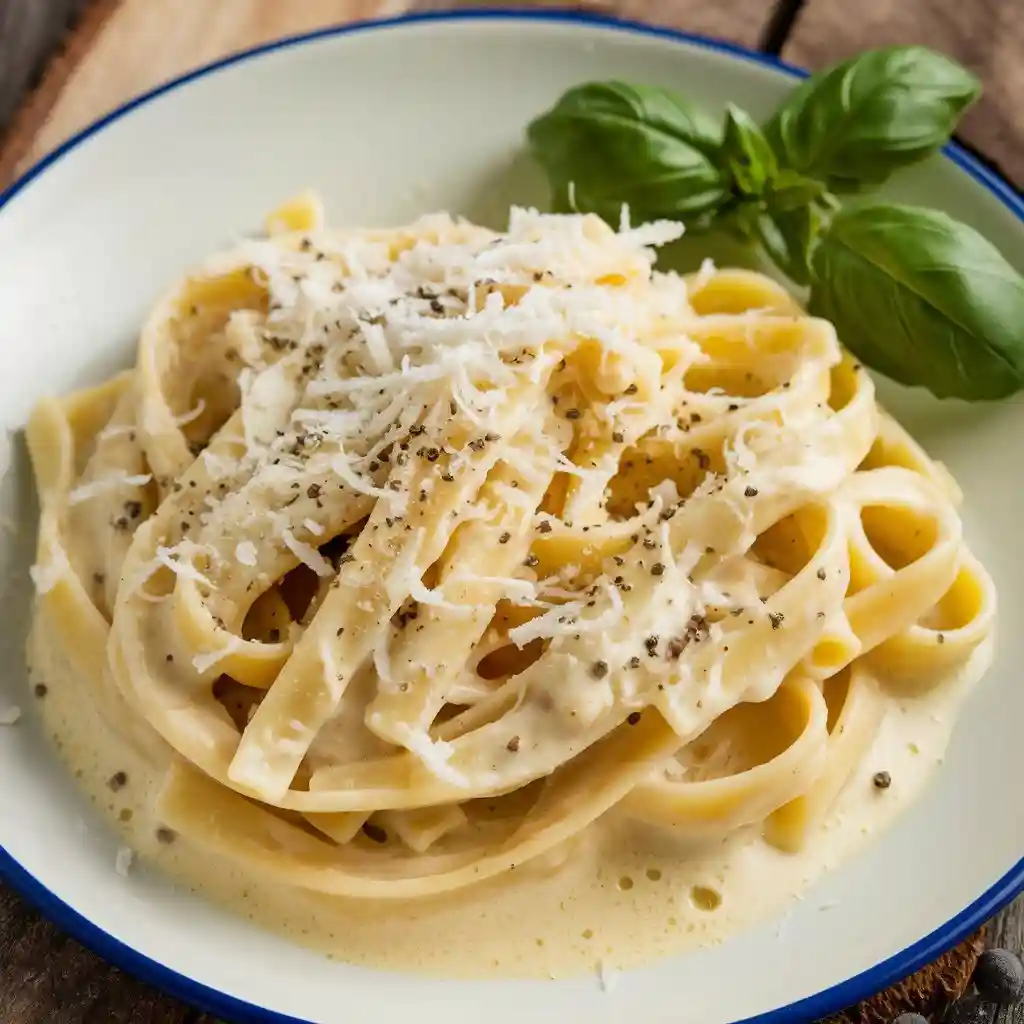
point(405, 556)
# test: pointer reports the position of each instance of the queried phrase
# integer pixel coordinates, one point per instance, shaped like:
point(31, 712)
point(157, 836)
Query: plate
point(89, 238)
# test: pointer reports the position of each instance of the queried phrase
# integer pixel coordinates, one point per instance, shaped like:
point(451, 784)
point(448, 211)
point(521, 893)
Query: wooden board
point(985, 35)
point(121, 47)
point(124, 47)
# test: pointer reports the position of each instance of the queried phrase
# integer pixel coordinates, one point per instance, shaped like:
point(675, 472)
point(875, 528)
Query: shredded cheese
point(307, 554)
point(124, 860)
point(202, 663)
point(112, 482)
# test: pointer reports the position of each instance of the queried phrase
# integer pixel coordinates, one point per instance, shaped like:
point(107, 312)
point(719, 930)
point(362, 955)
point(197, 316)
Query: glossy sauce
point(619, 895)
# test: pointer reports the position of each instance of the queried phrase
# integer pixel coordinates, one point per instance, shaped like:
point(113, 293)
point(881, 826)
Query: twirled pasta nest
point(411, 553)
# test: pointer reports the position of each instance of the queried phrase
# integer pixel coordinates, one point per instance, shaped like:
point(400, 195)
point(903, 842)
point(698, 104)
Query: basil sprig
point(854, 125)
point(747, 156)
point(913, 294)
point(924, 299)
point(610, 143)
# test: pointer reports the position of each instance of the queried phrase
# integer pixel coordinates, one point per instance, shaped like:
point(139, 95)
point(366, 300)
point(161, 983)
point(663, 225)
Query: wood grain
point(28, 33)
point(136, 44)
point(737, 21)
point(1007, 931)
point(986, 35)
point(48, 978)
point(132, 45)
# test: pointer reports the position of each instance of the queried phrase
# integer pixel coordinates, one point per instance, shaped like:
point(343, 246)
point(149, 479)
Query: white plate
point(88, 239)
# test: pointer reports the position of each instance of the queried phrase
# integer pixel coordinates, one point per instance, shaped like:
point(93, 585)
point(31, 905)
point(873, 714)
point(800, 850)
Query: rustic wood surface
point(985, 35)
point(64, 62)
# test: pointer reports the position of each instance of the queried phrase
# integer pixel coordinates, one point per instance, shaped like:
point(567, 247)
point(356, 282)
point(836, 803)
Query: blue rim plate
point(822, 1003)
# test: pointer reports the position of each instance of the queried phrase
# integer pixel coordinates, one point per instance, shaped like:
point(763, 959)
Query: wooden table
point(63, 62)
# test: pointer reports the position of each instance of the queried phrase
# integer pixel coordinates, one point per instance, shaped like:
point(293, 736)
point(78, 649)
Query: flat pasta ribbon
point(411, 553)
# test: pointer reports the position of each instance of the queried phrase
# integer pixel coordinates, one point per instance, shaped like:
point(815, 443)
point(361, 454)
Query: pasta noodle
point(409, 554)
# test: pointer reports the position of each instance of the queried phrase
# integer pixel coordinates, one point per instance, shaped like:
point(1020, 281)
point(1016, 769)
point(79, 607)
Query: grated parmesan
point(433, 754)
point(307, 554)
point(107, 483)
point(245, 552)
point(124, 860)
point(202, 663)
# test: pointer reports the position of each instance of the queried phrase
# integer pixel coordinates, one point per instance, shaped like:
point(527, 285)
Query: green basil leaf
point(738, 218)
point(854, 125)
point(789, 237)
point(746, 152)
point(790, 190)
point(617, 143)
point(924, 299)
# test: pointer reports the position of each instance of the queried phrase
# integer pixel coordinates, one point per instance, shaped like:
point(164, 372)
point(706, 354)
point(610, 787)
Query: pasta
point(408, 555)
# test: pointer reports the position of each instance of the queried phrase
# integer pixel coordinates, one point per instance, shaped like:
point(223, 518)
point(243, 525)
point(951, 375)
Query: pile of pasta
point(413, 552)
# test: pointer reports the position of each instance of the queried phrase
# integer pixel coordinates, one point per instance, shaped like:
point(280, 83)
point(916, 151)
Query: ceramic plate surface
point(387, 122)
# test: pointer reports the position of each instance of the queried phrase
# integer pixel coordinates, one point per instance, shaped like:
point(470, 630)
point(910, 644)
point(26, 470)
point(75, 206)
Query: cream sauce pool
point(619, 896)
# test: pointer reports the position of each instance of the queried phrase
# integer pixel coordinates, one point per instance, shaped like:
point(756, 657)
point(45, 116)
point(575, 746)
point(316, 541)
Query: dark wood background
point(48, 978)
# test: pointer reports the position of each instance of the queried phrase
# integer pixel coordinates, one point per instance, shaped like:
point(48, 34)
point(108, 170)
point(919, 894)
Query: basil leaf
point(618, 143)
point(924, 299)
point(854, 125)
point(789, 236)
point(746, 152)
point(790, 190)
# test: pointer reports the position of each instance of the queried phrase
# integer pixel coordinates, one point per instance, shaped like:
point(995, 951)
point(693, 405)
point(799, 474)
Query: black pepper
point(675, 647)
point(882, 780)
point(599, 669)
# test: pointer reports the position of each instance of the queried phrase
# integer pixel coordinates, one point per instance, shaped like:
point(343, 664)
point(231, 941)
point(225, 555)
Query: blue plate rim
point(813, 1007)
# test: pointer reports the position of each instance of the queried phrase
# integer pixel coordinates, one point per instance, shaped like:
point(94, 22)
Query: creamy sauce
point(619, 896)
